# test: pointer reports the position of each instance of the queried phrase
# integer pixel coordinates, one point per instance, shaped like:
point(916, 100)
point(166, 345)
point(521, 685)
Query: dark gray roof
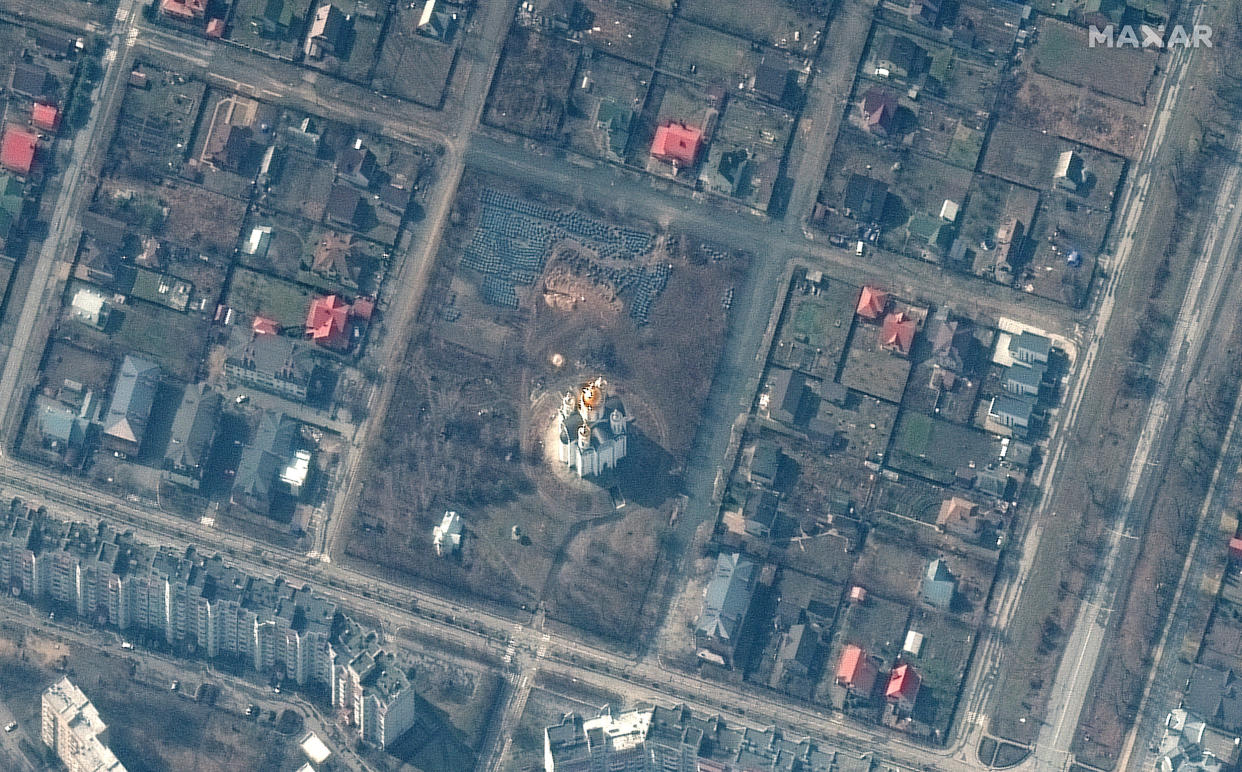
point(1026, 375)
point(1029, 341)
point(31, 79)
point(1214, 695)
point(277, 356)
point(261, 460)
point(866, 198)
point(1018, 408)
point(728, 597)
point(132, 399)
point(786, 391)
point(771, 79)
point(938, 584)
point(767, 460)
point(193, 427)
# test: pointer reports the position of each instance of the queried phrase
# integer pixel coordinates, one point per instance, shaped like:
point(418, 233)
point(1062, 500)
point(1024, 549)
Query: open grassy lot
point(713, 58)
point(280, 34)
point(182, 213)
point(991, 202)
point(1076, 113)
point(253, 293)
point(288, 248)
point(605, 116)
point(1060, 229)
point(176, 342)
point(871, 369)
point(532, 84)
point(949, 133)
point(815, 328)
point(775, 22)
point(404, 51)
point(64, 361)
point(935, 449)
point(878, 625)
point(1028, 157)
point(1061, 51)
point(155, 124)
point(961, 80)
point(301, 184)
point(625, 29)
point(508, 320)
point(942, 661)
point(891, 568)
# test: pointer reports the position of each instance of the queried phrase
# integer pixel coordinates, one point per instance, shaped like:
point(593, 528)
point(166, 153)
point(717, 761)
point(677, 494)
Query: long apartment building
point(112, 579)
point(660, 739)
point(71, 727)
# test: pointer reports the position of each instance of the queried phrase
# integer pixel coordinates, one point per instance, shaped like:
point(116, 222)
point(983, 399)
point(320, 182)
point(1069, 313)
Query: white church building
point(591, 429)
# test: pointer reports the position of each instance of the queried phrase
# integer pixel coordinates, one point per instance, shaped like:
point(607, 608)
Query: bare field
point(1076, 113)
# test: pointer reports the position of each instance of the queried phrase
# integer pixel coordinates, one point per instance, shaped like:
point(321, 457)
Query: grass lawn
point(176, 341)
point(965, 148)
point(255, 293)
point(934, 449)
point(878, 626)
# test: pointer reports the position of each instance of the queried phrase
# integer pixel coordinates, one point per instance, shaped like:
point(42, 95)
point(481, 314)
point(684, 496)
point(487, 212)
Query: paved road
point(61, 244)
point(1072, 683)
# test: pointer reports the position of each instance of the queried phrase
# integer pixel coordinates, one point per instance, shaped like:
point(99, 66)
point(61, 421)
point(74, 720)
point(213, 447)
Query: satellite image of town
point(620, 385)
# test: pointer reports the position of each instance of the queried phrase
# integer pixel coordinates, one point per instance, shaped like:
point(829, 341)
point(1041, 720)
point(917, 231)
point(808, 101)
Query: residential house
point(1069, 174)
point(31, 79)
point(184, 10)
point(772, 79)
point(436, 23)
point(760, 512)
point(256, 484)
point(357, 164)
point(939, 585)
point(615, 121)
point(913, 644)
point(1030, 348)
point(897, 333)
point(89, 307)
point(275, 364)
point(326, 33)
point(765, 463)
point(344, 206)
point(879, 111)
point(796, 660)
point(872, 303)
point(331, 256)
point(677, 143)
point(902, 690)
point(1215, 695)
point(725, 608)
point(956, 515)
point(17, 150)
point(280, 17)
point(133, 396)
point(855, 671)
point(193, 429)
point(866, 199)
point(902, 57)
point(327, 321)
point(61, 428)
point(1012, 411)
point(446, 537)
point(12, 201)
point(786, 392)
point(1023, 379)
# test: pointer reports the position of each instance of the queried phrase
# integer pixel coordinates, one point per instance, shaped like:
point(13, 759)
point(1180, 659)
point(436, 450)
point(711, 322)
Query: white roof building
point(913, 644)
point(949, 210)
point(314, 748)
point(296, 473)
point(447, 535)
point(90, 307)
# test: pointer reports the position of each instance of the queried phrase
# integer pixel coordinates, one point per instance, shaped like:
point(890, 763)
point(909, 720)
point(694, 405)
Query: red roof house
point(17, 150)
point(1235, 548)
point(264, 326)
point(215, 29)
point(903, 687)
point(858, 594)
point(327, 321)
point(45, 117)
point(897, 333)
point(855, 670)
point(879, 107)
point(184, 9)
point(677, 143)
point(872, 303)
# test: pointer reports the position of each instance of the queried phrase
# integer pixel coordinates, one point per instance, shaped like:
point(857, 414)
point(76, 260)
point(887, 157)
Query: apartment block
point(71, 727)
